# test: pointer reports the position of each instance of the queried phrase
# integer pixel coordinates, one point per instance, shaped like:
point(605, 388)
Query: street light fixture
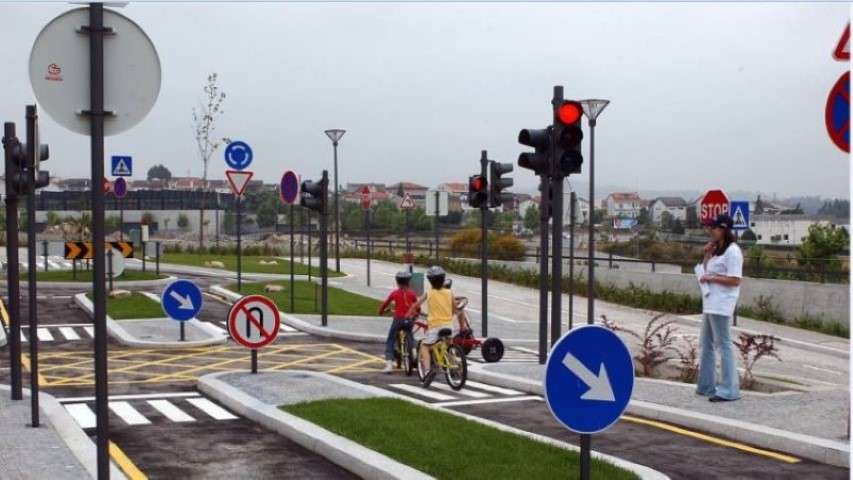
point(335, 135)
point(592, 108)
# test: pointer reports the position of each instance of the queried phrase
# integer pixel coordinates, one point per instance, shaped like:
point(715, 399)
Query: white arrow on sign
point(186, 302)
point(599, 385)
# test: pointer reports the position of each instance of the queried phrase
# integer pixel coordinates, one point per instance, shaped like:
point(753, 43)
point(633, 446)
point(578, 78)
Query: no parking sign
point(837, 114)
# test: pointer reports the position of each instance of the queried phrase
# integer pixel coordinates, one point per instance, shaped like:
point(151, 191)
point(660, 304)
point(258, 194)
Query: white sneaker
point(388, 367)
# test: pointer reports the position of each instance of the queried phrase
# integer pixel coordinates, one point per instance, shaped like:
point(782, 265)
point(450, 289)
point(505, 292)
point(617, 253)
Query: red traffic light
point(569, 112)
point(477, 184)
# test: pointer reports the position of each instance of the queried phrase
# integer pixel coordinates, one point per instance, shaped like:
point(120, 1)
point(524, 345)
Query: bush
point(183, 221)
point(466, 243)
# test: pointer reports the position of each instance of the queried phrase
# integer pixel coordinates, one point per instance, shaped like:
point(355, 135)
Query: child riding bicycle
point(441, 309)
point(403, 298)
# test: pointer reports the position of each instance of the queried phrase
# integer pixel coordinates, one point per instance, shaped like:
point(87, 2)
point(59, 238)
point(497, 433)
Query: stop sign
point(365, 198)
point(713, 204)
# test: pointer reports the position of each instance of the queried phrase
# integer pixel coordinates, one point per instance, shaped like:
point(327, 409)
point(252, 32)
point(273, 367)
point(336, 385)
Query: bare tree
point(204, 124)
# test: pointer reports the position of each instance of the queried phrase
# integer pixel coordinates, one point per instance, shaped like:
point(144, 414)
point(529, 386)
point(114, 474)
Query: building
point(623, 205)
point(457, 195)
point(774, 229)
point(675, 206)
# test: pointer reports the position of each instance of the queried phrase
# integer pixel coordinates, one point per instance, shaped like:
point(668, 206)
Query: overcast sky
point(703, 95)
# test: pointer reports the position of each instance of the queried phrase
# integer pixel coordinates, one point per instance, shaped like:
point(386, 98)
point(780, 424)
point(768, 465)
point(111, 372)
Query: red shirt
point(403, 299)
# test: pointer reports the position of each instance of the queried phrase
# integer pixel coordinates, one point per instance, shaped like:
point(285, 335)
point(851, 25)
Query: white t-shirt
point(722, 299)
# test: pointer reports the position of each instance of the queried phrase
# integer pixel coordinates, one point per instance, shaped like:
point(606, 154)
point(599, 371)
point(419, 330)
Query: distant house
point(356, 187)
point(675, 206)
point(774, 229)
point(623, 205)
point(457, 198)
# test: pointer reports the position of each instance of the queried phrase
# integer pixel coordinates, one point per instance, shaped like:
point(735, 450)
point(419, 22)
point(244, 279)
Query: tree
point(53, 218)
point(531, 218)
point(183, 221)
point(836, 208)
point(112, 222)
point(822, 246)
point(267, 214)
point(678, 226)
point(160, 172)
point(204, 124)
point(644, 218)
point(692, 217)
point(666, 221)
point(759, 206)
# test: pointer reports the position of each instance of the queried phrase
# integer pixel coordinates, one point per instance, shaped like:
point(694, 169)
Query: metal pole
point(143, 250)
point(543, 272)
point(32, 151)
point(239, 243)
point(120, 220)
point(292, 283)
point(110, 268)
point(324, 252)
point(302, 236)
point(309, 245)
point(586, 446)
point(557, 258)
point(367, 234)
point(254, 360)
point(590, 287)
point(337, 215)
point(572, 206)
point(156, 257)
point(436, 226)
point(96, 84)
point(44, 249)
point(408, 226)
point(13, 269)
point(484, 255)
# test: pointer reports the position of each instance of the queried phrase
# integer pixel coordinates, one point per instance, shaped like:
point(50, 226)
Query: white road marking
point(83, 415)
point(90, 331)
point(492, 388)
point(488, 400)
point(170, 411)
point(464, 392)
point(422, 392)
point(130, 415)
point(69, 333)
point(44, 335)
point(23, 338)
point(822, 369)
point(211, 409)
point(138, 396)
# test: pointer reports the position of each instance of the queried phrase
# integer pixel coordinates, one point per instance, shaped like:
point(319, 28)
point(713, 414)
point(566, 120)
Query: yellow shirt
point(440, 305)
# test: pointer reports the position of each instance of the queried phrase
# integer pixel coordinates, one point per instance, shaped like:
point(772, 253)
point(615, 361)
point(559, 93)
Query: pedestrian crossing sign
point(740, 215)
point(122, 166)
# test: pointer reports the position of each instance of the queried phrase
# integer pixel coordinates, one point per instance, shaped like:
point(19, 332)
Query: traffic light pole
point(324, 252)
point(436, 225)
point(292, 278)
point(590, 287)
point(572, 207)
point(367, 234)
point(557, 232)
point(484, 254)
point(32, 151)
point(543, 271)
point(337, 215)
point(13, 268)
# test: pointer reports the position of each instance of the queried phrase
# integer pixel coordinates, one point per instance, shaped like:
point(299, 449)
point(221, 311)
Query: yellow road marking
point(4, 313)
point(25, 361)
point(715, 440)
point(125, 464)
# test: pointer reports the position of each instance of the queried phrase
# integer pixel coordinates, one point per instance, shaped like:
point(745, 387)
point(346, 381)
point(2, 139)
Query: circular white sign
point(117, 261)
point(59, 72)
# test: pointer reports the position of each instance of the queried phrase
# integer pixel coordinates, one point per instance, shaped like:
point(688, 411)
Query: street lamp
point(335, 135)
point(592, 108)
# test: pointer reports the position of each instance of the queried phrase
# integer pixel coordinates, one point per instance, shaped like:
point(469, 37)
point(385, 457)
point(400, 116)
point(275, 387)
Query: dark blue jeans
point(396, 326)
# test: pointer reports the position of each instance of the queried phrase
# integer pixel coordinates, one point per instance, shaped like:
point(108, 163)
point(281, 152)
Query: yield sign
point(407, 203)
point(238, 180)
point(842, 50)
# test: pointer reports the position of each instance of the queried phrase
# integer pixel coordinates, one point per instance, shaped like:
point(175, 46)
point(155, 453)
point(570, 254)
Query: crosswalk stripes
point(133, 410)
point(472, 393)
point(63, 332)
point(511, 355)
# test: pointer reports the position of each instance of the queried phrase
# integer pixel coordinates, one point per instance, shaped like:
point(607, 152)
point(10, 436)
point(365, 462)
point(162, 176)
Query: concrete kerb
point(642, 471)
point(220, 273)
point(77, 286)
point(125, 338)
point(302, 325)
point(806, 446)
point(360, 460)
point(70, 433)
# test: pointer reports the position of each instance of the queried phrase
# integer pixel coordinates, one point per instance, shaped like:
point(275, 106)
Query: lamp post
point(592, 108)
point(335, 135)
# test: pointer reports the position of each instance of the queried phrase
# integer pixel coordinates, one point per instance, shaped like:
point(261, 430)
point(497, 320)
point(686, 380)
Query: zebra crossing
point(511, 355)
point(472, 393)
point(71, 332)
point(148, 409)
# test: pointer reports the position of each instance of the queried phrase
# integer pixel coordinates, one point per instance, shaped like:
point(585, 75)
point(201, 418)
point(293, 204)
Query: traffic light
point(313, 194)
point(568, 136)
point(540, 141)
point(41, 154)
point(497, 196)
point(477, 191)
point(16, 172)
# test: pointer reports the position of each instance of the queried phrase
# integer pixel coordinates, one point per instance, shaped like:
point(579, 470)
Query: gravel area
point(285, 388)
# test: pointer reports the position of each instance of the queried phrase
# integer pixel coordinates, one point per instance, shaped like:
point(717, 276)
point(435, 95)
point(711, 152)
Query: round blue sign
point(289, 187)
point(837, 114)
point(238, 155)
point(589, 378)
point(181, 300)
point(120, 187)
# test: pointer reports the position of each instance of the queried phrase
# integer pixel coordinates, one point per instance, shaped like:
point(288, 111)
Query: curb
point(302, 325)
point(207, 382)
point(220, 273)
point(354, 457)
point(72, 435)
point(818, 449)
point(122, 336)
point(77, 286)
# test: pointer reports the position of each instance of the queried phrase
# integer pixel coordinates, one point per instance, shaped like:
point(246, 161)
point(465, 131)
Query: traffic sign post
point(837, 113)
point(253, 322)
point(365, 205)
point(120, 190)
point(714, 203)
point(122, 166)
point(289, 194)
point(739, 210)
point(407, 205)
point(239, 180)
point(589, 379)
point(181, 300)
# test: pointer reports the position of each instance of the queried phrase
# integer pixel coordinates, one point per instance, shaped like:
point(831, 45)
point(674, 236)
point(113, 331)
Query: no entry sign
point(713, 204)
point(254, 321)
point(838, 113)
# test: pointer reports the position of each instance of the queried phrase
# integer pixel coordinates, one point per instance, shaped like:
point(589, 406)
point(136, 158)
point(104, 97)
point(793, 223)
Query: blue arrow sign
point(122, 166)
point(589, 379)
point(739, 211)
point(181, 300)
point(238, 155)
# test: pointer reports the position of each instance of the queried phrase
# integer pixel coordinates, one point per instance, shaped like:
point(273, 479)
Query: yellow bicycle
point(446, 356)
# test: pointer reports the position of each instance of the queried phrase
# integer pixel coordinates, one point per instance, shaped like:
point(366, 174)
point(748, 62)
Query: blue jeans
point(393, 333)
point(715, 335)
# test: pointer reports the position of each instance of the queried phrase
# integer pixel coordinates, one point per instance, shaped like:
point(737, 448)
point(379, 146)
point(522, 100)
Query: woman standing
point(723, 270)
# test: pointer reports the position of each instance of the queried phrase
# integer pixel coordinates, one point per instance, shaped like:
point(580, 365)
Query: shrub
point(753, 348)
point(183, 221)
point(466, 243)
point(656, 342)
point(688, 360)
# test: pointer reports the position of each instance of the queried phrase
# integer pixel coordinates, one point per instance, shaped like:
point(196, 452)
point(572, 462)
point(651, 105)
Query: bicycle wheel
point(456, 372)
point(420, 368)
point(406, 355)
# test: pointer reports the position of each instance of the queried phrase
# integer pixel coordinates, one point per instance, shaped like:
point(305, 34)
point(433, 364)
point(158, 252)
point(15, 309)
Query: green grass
point(86, 276)
point(135, 306)
point(341, 302)
point(250, 263)
point(443, 445)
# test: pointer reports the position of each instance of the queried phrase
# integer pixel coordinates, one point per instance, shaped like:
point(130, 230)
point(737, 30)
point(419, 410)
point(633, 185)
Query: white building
point(623, 205)
point(676, 206)
point(786, 229)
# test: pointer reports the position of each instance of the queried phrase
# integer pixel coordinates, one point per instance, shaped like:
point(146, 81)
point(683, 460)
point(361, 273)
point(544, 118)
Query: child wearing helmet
point(403, 298)
point(441, 309)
